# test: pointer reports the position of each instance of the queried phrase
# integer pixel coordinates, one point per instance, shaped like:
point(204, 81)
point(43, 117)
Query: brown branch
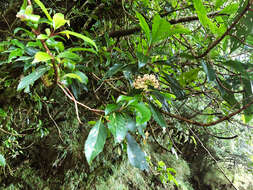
point(207, 124)
point(217, 41)
point(83, 105)
point(220, 137)
point(120, 33)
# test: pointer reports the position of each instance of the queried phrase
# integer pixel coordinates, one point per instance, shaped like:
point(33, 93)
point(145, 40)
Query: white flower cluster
point(145, 81)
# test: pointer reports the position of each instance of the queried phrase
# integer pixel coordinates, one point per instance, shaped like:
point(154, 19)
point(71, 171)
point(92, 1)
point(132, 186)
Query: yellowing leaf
point(41, 57)
point(84, 38)
point(73, 76)
point(58, 20)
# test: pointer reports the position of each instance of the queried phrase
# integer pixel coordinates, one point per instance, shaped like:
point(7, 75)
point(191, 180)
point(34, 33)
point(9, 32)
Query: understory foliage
point(126, 94)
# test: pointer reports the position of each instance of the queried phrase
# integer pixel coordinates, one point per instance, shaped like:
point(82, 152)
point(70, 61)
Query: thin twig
point(74, 100)
point(179, 117)
point(217, 41)
point(83, 105)
point(201, 143)
point(57, 127)
point(9, 133)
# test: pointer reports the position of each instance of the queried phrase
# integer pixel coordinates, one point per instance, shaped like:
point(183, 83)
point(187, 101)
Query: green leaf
point(52, 43)
point(2, 161)
point(247, 97)
point(157, 115)
point(124, 98)
point(2, 113)
point(43, 8)
point(84, 78)
point(58, 20)
point(84, 38)
point(17, 43)
point(117, 126)
point(131, 124)
point(24, 5)
point(42, 37)
point(175, 86)
point(144, 25)
point(113, 70)
point(179, 29)
point(229, 97)
point(218, 3)
point(82, 49)
point(29, 10)
point(160, 29)
point(69, 55)
point(111, 108)
point(41, 57)
point(31, 78)
point(143, 113)
point(211, 76)
point(33, 18)
point(189, 76)
point(73, 76)
point(135, 155)
point(15, 53)
point(230, 9)
point(29, 33)
point(95, 141)
point(202, 15)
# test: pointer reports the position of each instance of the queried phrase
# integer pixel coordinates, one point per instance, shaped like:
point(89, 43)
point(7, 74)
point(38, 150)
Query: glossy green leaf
point(31, 78)
point(43, 8)
point(15, 53)
point(95, 141)
point(144, 25)
point(84, 38)
point(131, 124)
point(2, 161)
point(135, 155)
point(73, 76)
point(143, 113)
point(82, 49)
point(69, 55)
point(42, 37)
point(129, 99)
point(17, 43)
point(84, 78)
point(111, 108)
point(52, 43)
point(117, 126)
point(32, 18)
point(157, 115)
point(29, 33)
point(59, 21)
point(24, 5)
point(41, 57)
point(29, 10)
point(113, 70)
